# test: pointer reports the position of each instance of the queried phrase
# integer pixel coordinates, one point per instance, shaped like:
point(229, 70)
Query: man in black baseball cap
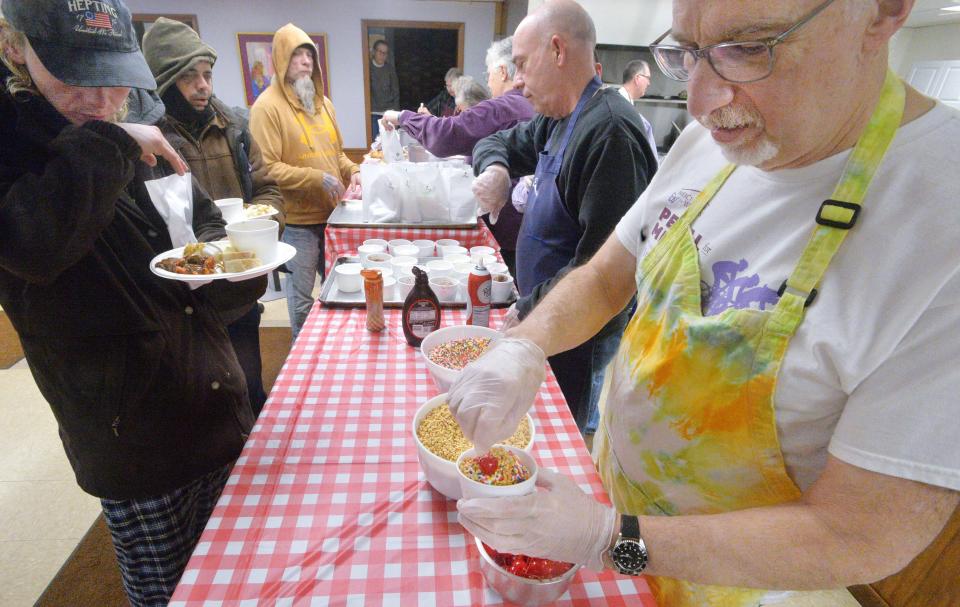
point(82, 42)
point(150, 401)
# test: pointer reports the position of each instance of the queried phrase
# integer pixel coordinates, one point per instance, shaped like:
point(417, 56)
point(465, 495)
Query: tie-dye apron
point(688, 413)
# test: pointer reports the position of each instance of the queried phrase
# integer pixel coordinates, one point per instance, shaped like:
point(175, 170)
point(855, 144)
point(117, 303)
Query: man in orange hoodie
point(295, 126)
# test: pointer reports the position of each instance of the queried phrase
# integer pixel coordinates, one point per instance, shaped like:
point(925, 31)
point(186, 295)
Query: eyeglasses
point(733, 61)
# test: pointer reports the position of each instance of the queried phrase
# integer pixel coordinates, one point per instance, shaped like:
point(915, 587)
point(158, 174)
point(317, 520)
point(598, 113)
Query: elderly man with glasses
point(781, 418)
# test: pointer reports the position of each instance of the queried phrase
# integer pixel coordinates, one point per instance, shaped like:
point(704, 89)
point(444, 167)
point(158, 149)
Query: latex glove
point(492, 188)
point(423, 110)
point(333, 187)
point(391, 118)
point(511, 320)
point(561, 523)
point(492, 393)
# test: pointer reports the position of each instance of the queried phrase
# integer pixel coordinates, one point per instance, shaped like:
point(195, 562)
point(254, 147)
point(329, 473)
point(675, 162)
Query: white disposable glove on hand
point(492, 394)
point(333, 187)
point(492, 188)
point(511, 320)
point(561, 523)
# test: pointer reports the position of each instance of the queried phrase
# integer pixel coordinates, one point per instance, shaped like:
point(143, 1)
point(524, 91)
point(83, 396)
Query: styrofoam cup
point(447, 242)
point(452, 250)
point(379, 260)
point(426, 248)
point(257, 235)
point(397, 242)
point(231, 209)
point(477, 253)
point(405, 250)
point(471, 488)
point(445, 287)
point(402, 265)
point(348, 277)
point(459, 258)
point(405, 285)
point(366, 249)
point(501, 286)
point(439, 267)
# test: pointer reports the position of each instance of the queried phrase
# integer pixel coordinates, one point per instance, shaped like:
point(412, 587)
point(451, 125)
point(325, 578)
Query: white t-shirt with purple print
point(872, 375)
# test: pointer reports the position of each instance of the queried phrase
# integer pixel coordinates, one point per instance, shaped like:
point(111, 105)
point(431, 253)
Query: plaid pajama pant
point(154, 537)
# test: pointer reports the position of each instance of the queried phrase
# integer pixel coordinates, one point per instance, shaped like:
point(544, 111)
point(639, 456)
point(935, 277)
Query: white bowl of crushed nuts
point(440, 442)
point(448, 350)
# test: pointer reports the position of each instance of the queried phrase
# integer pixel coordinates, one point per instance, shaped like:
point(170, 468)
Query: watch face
point(630, 556)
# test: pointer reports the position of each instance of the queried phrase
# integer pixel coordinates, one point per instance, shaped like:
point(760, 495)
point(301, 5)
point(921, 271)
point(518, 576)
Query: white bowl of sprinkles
point(449, 349)
point(440, 442)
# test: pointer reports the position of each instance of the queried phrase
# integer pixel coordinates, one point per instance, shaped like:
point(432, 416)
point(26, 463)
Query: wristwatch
point(629, 553)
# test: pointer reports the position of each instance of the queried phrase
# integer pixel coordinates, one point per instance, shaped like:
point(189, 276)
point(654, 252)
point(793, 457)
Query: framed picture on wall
point(256, 50)
point(143, 22)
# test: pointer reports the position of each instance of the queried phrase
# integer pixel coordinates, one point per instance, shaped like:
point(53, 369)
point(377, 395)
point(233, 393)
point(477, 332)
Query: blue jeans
point(304, 267)
point(603, 353)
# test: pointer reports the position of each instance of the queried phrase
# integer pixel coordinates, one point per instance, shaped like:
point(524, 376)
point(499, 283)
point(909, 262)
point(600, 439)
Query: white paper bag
point(390, 144)
point(173, 198)
point(427, 192)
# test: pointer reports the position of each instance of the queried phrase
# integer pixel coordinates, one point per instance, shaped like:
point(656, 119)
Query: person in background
point(782, 413)
point(443, 104)
point(467, 93)
point(590, 160)
point(147, 392)
point(217, 145)
point(296, 128)
point(384, 86)
point(636, 79)
point(459, 134)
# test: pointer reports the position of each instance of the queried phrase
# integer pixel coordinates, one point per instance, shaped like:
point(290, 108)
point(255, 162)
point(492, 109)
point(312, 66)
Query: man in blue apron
point(780, 419)
point(590, 161)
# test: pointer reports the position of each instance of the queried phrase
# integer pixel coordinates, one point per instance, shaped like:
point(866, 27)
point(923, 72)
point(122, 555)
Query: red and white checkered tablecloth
point(327, 504)
point(344, 241)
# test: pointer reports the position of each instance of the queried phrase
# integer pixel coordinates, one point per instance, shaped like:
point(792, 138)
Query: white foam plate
point(284, 254)
point(247, 210)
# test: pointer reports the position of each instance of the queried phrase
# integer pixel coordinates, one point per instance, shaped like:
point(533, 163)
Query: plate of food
point(204, 262)
point(259, 211)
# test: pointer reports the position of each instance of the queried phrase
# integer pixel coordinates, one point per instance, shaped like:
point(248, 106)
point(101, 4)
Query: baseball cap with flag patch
point(82, 42)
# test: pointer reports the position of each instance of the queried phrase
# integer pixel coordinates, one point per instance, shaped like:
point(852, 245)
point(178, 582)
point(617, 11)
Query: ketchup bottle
point(478, 296)
point(421, 310)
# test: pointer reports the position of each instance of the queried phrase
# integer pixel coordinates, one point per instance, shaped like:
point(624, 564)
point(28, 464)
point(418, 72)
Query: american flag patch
point(98, 19)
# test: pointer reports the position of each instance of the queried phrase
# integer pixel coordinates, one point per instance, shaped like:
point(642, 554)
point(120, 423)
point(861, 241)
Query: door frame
point(367, 24)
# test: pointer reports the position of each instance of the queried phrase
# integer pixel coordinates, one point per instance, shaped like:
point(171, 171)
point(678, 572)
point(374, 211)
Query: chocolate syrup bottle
point(421, 310)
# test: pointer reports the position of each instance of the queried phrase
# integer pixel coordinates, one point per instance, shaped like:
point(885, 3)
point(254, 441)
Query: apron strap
point(591, 89)
point(839, 214)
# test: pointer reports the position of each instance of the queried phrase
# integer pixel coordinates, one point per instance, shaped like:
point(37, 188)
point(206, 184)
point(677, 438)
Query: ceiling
point(927, 12)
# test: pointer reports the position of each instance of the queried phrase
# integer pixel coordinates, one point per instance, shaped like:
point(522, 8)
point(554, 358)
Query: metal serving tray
point(332, 297)
point(349, 214)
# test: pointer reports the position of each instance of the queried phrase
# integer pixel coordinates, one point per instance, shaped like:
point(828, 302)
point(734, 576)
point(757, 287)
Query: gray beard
point(305, 91)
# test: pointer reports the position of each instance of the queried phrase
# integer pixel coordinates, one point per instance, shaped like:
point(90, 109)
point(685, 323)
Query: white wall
point(633, 22)
point(220, 20)
point(934, 43)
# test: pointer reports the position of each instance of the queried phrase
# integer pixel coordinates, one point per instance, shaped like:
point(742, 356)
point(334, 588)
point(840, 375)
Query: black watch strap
point(630, 527)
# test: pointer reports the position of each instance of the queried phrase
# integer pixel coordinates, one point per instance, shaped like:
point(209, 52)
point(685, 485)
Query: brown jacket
point(216, 156)
point(299, 147)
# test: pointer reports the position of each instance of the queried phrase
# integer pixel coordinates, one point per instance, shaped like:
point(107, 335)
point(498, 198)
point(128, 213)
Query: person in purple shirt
point(457, 134)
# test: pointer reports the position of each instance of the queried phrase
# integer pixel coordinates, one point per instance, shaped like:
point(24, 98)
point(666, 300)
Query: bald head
point(553, 51)
point(565, 18)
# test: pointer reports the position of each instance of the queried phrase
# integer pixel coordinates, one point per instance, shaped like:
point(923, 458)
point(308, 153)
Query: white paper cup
point(478, 252)
point(426, 248)
point(445, 287)
point(405, 285)
point(489, 260)
point(348, 277)
point(501, 286)
point(402, 265)
point(447, 242)
point(378, 241)
point(379, 260)
point(459, 258)
point(471, 488)
point(439, 267)
point(366, 249)
point(231, 209)
point(257, 235)
point(405, 250)
point(397, 242)
point(389, 286)
point(498, 268)
point(452, 250)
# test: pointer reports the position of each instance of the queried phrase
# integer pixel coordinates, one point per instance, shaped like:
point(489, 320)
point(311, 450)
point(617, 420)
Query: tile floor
point(43, 514)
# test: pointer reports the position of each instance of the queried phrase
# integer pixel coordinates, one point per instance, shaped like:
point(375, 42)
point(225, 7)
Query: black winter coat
point(138, 370)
